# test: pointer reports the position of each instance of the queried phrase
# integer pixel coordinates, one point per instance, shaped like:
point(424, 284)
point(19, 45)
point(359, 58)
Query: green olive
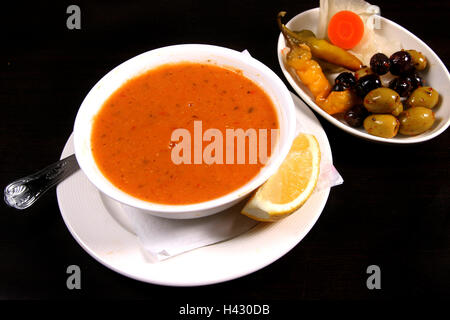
point(382, 125)
point(418, 59)
point(382, 100)
point(415, 120)
point(364, 71)
point(423, 97)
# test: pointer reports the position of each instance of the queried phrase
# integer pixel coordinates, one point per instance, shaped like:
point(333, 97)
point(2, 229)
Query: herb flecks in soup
point(131, 136)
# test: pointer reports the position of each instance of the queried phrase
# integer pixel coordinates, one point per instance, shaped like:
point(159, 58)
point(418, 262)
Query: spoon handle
point(23, 192)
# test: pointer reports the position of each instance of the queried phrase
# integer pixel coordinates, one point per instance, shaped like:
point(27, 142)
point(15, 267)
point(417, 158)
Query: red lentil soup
point(131, 135)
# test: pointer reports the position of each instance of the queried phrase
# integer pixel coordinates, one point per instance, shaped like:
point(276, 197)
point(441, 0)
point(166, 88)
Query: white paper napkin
point(163, 238)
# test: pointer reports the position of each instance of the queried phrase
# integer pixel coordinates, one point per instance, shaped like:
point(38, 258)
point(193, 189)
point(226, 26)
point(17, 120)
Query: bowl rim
point(201, 208)
point(307, 99)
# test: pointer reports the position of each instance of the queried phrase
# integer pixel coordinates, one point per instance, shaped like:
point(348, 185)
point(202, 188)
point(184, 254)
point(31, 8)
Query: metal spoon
point(23, 192)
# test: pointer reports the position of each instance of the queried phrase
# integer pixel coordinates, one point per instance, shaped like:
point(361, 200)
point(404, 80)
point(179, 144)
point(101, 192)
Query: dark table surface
point(392, 210)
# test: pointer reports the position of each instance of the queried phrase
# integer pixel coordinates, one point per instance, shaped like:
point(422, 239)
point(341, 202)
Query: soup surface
point(131, 136)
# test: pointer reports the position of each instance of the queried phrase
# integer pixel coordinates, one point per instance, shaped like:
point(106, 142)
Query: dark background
point(392, 210)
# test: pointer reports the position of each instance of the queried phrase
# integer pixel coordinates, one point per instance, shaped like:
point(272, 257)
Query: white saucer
point(101, 227)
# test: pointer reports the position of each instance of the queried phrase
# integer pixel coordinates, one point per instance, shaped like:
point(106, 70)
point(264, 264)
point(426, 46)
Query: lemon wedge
point(290, 187)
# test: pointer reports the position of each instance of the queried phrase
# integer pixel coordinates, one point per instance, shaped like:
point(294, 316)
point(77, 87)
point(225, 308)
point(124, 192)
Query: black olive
point(416, 80)
point(356, 115)
point(346, 79)
point(401, 85)
point(401, 63)
point(367, 84)
point(380, 63)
